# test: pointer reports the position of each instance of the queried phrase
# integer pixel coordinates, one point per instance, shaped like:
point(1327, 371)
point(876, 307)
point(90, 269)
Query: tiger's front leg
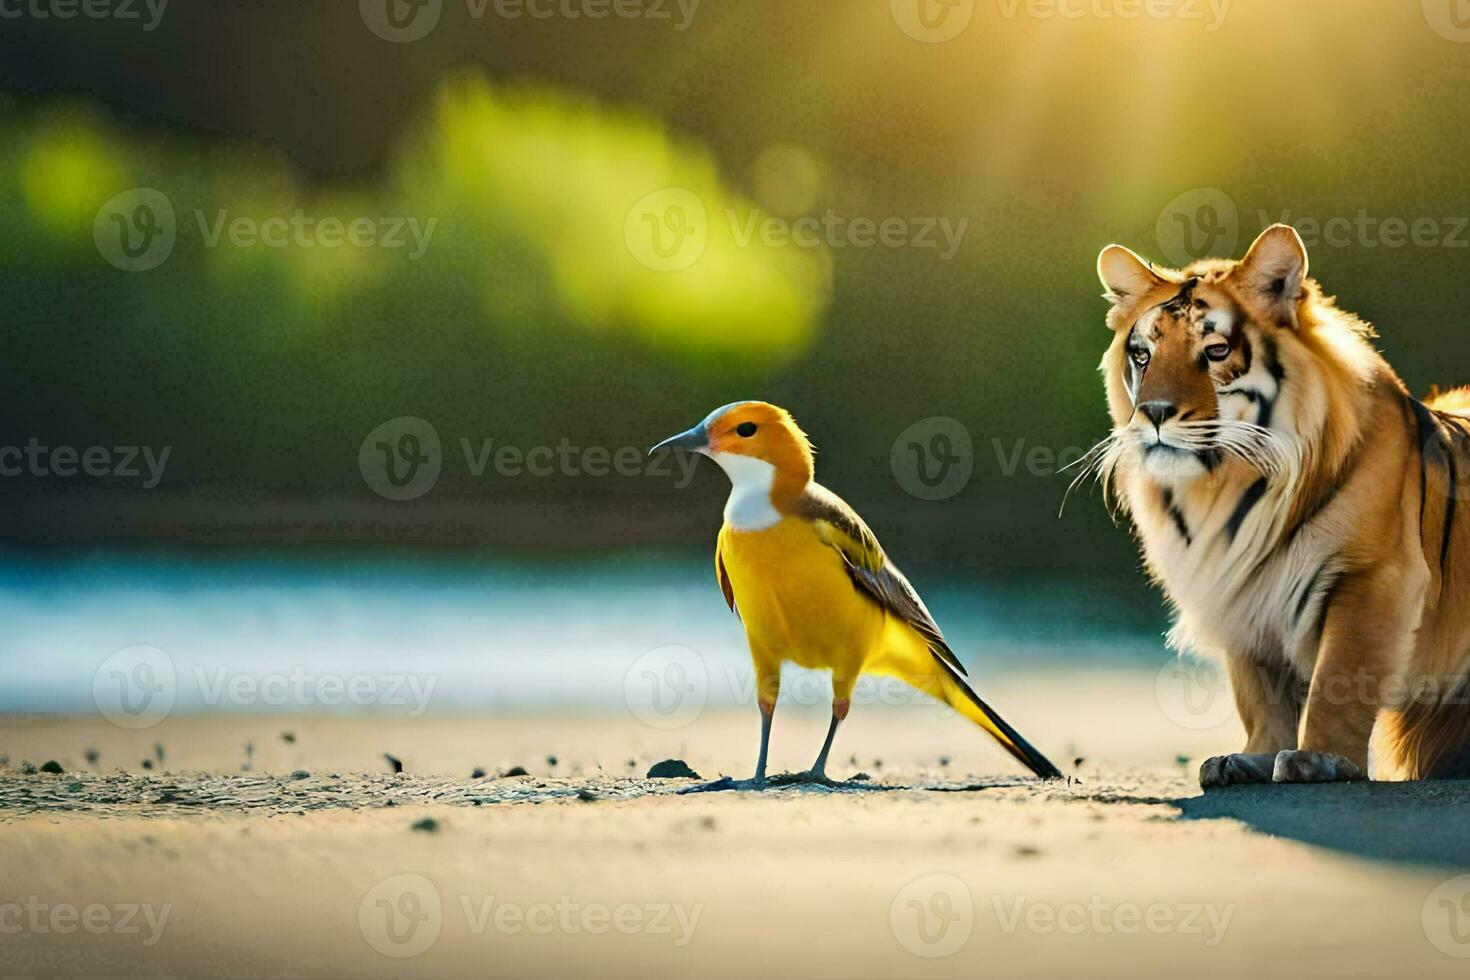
point(1366, 636)
point(1268, 697)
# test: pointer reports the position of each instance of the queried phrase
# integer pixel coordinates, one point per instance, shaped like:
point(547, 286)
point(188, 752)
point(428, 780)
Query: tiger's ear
point(1125, 276)
point(1129, 282)
point(1273, 272)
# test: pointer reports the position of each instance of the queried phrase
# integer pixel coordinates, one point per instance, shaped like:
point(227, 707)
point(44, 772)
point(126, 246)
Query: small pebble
point(672, 769)
point(428, 825)
point(477, 773)
point(52, 766)
point(516, 771)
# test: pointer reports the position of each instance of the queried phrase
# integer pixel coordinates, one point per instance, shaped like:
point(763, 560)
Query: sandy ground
point(319, 861)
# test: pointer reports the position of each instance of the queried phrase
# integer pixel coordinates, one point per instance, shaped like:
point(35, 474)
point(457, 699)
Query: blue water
point(481, 634)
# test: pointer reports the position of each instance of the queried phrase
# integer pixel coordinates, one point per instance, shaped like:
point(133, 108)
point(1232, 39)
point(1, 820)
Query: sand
point(947, 861)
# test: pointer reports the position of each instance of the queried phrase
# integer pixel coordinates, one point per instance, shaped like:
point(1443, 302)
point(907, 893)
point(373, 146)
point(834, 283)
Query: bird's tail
point(911, 661)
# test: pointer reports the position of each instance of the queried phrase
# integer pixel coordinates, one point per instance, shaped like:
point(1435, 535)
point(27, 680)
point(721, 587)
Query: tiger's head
point(1197, 369)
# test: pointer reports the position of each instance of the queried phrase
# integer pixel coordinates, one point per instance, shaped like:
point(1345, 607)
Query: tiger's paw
point(1238, 769)
point(1294, 766)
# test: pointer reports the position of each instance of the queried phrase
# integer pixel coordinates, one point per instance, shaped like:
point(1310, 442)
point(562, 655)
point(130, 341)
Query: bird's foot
point(808, 778)
point(729, 784)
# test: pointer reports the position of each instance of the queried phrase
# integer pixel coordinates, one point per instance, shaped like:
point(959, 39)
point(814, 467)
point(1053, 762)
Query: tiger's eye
point(1217, 352)
point(745, 430)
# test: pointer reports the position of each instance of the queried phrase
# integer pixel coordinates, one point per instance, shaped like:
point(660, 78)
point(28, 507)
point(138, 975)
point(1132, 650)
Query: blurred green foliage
point(530, 319)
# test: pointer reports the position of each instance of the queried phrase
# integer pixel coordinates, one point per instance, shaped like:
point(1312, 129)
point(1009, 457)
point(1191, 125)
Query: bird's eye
point(1140, 356)
point(745, 430)
point(1217, 352)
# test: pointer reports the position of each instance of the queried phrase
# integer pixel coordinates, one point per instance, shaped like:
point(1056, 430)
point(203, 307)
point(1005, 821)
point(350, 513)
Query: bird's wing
point(871, 571)
point(723, 575)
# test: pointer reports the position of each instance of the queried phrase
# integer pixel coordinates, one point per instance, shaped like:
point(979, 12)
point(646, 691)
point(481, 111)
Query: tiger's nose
point(1158, 412)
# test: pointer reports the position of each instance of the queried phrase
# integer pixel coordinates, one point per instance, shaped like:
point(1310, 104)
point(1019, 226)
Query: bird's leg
point(767, 690)
point(840, 707)
point(768, 711)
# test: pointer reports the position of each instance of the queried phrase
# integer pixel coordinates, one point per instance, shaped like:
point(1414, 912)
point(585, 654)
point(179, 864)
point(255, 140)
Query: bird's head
point(750, 439)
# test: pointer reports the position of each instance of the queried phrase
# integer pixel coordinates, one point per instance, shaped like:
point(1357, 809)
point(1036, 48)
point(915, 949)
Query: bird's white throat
point(749, 507)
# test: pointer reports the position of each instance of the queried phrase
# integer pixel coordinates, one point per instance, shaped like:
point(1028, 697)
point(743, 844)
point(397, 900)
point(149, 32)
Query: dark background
point(527, 322)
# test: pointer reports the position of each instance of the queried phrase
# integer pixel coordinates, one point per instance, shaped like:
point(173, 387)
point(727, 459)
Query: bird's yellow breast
point(796, 598)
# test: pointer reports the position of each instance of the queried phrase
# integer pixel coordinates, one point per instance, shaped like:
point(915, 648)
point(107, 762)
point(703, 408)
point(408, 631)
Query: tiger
point(1300, 510)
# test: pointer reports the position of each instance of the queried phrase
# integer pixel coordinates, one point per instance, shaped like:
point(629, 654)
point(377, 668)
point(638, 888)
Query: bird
point(812, 585)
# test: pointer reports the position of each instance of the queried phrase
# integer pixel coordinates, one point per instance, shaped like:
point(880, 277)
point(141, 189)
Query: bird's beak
point(694, 440)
